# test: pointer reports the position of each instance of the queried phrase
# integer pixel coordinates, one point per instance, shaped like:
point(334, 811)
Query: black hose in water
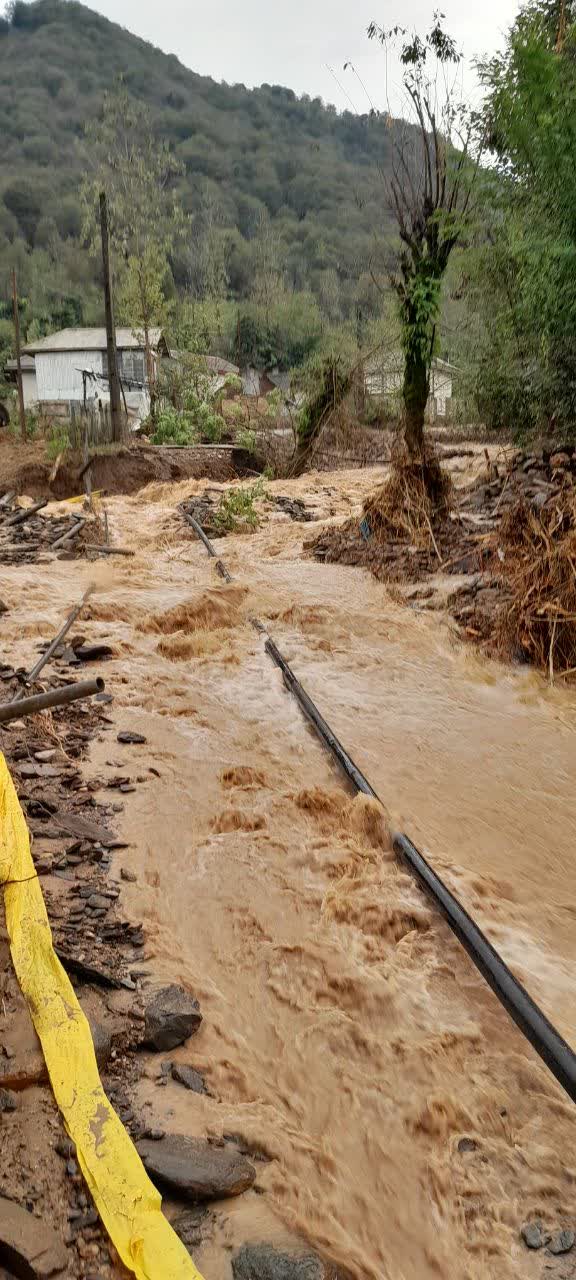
point(544, 1038)
point(534, 1024)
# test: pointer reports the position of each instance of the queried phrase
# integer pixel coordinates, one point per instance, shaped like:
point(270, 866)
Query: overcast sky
point(293, 43)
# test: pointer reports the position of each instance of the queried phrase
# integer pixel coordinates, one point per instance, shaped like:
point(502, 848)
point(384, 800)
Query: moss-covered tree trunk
point(415, 394)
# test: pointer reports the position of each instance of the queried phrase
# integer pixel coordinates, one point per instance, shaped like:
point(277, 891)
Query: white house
point(385, 375)
point(71, 367)
point(29, 386)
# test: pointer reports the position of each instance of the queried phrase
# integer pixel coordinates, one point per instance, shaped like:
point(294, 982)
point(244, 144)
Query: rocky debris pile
point(36, 538)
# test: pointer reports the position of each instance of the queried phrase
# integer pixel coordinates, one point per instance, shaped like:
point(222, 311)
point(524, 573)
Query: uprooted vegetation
point(539, 565)
point(510, 539)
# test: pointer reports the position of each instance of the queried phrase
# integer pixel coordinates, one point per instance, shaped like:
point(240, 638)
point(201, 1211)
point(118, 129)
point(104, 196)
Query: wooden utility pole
point(113, 379)
point(18, 356)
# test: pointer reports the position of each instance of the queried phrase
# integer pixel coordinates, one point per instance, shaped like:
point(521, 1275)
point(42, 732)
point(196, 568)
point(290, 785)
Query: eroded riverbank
point(407, 1128)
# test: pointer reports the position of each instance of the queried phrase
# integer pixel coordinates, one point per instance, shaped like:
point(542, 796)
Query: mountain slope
point(316, 172)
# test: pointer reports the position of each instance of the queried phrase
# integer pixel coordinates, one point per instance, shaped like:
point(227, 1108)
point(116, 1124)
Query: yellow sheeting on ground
point(128, 1203)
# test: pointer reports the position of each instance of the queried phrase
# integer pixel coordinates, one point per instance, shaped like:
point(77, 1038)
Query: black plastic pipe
point(543, 1037)
point(539, 1031)
point(54, 698)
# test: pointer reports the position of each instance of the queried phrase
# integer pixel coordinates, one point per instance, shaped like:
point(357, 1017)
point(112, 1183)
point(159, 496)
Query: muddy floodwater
point(407, 1130)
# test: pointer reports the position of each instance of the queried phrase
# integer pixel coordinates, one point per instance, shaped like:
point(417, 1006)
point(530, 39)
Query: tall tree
point(429, 193)
point(137, 172)
point(524, 288)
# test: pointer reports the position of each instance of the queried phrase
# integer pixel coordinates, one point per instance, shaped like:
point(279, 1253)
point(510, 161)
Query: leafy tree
point(136, 172)
point(429, 193)
point(522, 281)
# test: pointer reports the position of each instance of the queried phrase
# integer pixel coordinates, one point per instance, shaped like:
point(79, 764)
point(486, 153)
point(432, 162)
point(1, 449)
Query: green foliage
point(58, 440)
point(326, 381)
point(523, 279)
point(172, 427)
point(291, 192)
point(279, 336)
point(245, 438)
point(236, 509)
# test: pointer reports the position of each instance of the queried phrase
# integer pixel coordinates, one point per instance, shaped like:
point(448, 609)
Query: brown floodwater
point(346, 1037)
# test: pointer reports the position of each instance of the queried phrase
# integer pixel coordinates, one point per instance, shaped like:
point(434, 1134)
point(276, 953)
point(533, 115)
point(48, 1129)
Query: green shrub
point(237, 509)
point(173, 428)
point(58, 440)
point(245, 438)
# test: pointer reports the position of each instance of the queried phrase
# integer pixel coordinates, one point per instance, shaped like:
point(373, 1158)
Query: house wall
point(29, 387)
point(441, 390)
point(58, 374)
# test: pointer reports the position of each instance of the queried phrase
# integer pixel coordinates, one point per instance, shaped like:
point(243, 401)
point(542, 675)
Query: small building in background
point(71, 368)
point(384, 375)
point(29, 385)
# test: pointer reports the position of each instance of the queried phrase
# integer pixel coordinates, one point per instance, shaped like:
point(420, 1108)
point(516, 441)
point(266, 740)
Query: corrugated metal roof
point(91, 340)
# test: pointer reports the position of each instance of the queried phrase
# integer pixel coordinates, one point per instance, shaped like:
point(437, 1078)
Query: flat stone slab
point(197, 1169)
point(27, 1242)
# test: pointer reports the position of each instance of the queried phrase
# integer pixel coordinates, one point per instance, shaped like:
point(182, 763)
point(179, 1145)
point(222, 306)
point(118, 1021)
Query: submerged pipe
point(55, 698)
point(52, 647)
point(539, 1031)
point(543, 1036)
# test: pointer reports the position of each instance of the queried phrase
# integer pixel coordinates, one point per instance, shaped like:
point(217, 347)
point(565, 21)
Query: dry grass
point(540, 568)
point(413, 501)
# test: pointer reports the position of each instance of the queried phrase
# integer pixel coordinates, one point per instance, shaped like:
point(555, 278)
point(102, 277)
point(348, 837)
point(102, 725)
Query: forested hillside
point(246, 154)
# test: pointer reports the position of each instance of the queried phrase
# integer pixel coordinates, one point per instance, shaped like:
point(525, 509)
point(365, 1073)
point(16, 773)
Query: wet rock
point(129, 876)
point(93, 652)
point(33, 1248)
point(127, 735)
point(263, 1262)
point(190, 1227)
point(98, 901)
point(195, 1168)
point(562, 1242)
point(187, 1076)
point(7, 1101)
point(171, 1016)
point(532, 1235)
point(65, 1148)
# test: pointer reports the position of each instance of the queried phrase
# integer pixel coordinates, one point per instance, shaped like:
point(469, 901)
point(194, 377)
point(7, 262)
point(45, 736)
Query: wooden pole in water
point(113, 379)
point(18, 355)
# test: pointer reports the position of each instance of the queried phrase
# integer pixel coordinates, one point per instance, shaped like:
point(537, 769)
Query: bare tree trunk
point(415, 393)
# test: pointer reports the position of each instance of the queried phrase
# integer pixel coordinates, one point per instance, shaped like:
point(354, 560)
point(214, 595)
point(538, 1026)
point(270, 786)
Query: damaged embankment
point(40, 750)
point(540, 1032)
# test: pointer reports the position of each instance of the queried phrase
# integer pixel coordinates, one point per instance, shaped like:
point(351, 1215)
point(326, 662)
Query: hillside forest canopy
point(288, 243)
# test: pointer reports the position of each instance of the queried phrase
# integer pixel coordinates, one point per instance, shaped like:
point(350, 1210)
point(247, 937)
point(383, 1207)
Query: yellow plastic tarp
point(129, 1205)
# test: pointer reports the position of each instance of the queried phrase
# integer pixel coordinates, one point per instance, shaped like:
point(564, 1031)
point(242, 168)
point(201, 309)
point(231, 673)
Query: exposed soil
point(26, 469)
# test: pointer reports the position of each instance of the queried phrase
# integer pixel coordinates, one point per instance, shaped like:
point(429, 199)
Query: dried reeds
point(413, 501)
point(539, 565)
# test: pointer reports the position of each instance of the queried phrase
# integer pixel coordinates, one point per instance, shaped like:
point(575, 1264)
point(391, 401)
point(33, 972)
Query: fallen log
point(108, 551)
point(71, 533)
point(21, 516)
